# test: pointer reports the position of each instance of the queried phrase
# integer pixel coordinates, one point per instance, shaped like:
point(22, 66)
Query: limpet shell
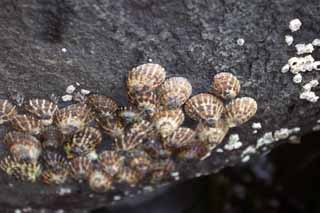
point(43, 109)
point(26, 123)
point(7, 111)
point(225, 85)
point(167, 121)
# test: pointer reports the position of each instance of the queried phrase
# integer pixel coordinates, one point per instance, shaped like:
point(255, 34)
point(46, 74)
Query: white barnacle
point(70, 89)
point(295, 25)
point(281, 134)
point(285, 68)
point(297, 78)
point(266, 139)
point(316, 42)
point(304, 48)
point(233, 142)
point(289, 39)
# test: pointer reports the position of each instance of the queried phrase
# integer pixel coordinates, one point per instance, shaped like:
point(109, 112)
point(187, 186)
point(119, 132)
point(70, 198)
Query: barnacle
point(23, 146)
point(100, 181)
point(26, 123)
point(7, 111)
point(145, 78)
point(167, 121)
point(240, 110)
point(111, 161)
point(174, 92)
point(181, 137)
point(225, 85)
point(73, 118)
point(104, 106)
point(204, 107)
point(43, 109)
point(83, 142)
point(80, 168)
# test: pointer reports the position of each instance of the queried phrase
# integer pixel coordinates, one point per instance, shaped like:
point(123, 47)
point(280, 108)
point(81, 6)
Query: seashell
point(240, 110)
point(73, 118)
point(167, 121)
point(54, 161)
point(212, 135)
point(134, 136)
point(26, 123)
point(23, 146)
point(204, 107)
point(80, 168)
point(83, 142)
point(146, 103)
point(140, 161)
point(55, 177)
point(155, 149)
point(42, 109)
point(113, 126)
point(181, 137)
point(129, 115)
point(7, 111)
point(174, 92)
point(51, 137)
point(195, 150)
point(128, 176)
point(104, 106)
point(162, 171)
point(225, 85)
point(100, 181)
point(21, 170)
point(111, 161)
point(145, 78)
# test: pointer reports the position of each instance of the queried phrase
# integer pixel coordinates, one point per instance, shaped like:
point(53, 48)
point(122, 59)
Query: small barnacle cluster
point(140, 143)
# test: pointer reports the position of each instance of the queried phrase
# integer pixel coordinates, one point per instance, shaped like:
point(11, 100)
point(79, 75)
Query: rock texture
point(46, 45)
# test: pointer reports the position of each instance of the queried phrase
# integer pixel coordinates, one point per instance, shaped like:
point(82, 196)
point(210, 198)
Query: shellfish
point(51, 137)
point(167, 121)
point(225, 85)
point(56, 168)
point(42, 109)
point(112, 126)
point(104, 106)
point(240, 110)
point(174, 92)
point(7, 111)
point(54, 177)
point(140, 161)
point(26, 123)
point(80, 168)
point(193, 151)
point(99, 181)
point(111, 161)
point(181, 137)
point(146, 103)
point(129, 115)
point(162, 171)
point(128, 176)
point(204, 107)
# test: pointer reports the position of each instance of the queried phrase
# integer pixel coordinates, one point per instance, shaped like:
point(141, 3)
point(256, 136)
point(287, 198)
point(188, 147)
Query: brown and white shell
point(43, 109)
point(162, 171)
point(73, 118)
point(167, 121)
point(129, 115)
point(55, 161)
point(193, 151)
point(80, 168)
point(174, 92)
point(181, 137)
point(27, 123)
point(111, 161)
point(55, 177)
point(147, 103)
point(23, 146)
point(100, 181)
point(240, 110)
point(204, 107)
point(104, 106)
point(52, 137)
point(21, 170)
point(7, 111)
point(145, 78)
point(155, 149)
point(112, 126)
point(225, 85)
point(128, 176)
point(83, 142)
point(140, 161)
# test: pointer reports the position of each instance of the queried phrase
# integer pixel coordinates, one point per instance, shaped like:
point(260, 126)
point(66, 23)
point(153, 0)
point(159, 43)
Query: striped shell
point(155, 149)
point(167, 121)
point(26, 123)
point(129, 115)
point(21, 170)
point(54, 161)
point(7, 111)
point(194, 151)
point(111, 161)
point(225, 85)
point(42, 109)
point(73, 118)
point(103, 105)
point(55, 177)
point(23, 146)
point(140, 161)
point(80, 168)
point(146, 103)
point(99, 181)
point(83, 142)
point(128, 176)
point(51, 137)
point(174, 92)
point(181, 137)
point(240, 110)
point(112, 126)
point(145, 78)
point(204, 107)
point(162, 171)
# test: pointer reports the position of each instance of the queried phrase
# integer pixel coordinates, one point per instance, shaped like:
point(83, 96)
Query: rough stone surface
point(46, 45)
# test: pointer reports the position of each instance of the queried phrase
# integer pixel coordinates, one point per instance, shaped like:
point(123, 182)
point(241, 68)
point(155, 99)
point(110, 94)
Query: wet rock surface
point(47, 45)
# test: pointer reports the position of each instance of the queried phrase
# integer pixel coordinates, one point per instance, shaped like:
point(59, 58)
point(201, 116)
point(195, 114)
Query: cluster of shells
point(54, 145)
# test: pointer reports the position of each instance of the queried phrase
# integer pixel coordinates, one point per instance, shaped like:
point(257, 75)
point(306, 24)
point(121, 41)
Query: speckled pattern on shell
point(204, 107)
point(140, 161)
point(42, 109)
point(54, 177)
point(7, 111)
point(162, 171)
point(225, 85)
point(167, 121)
point(26, 123)
point(240, 110)
point(100, 181)
point(181, 137)
point(174, 92)
point(145, 78)
point(127, 175)
point(147, 103)
point(103, 105)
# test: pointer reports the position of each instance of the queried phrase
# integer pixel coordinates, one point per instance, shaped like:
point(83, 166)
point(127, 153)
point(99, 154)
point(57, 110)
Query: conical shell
point(129, 115)
point(7, 111)
point(73, 118)
point(204, 107)
point(155, 149)
point(140, 161)
point(174, 92)
point(112, 126)
point(194, 151)
point(54, 161)
point(51, 137)
point(55, 177)
point(42, 109)
point(146, 103)
point(167, 121)
point(26, 123)
point(83, 142)
point(111, 161)
point(80, 168)
point(99, 181)
point(162, 171)
point(103, 105)
point(128, 176)
point(23, 146)
point(225, 85)
point(145, 78)
point(181, 137)
point(240, 110)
